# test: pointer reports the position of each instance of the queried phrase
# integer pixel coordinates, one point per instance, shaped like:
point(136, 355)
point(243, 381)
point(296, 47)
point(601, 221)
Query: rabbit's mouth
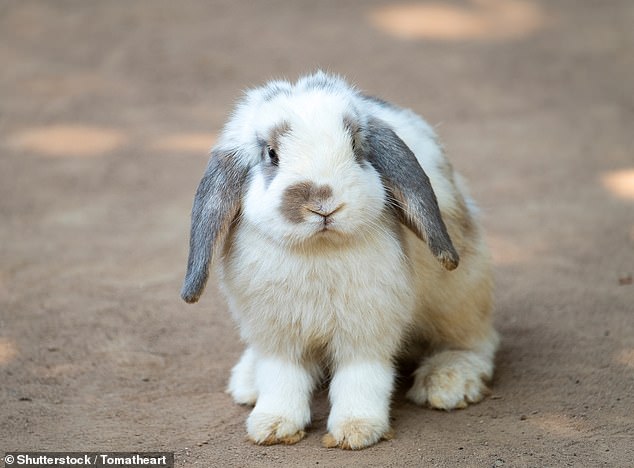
point(329, 230)
point(327, 224)
point(324, 220)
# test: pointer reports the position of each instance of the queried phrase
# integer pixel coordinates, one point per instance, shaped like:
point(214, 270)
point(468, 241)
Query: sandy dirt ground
point(107, 110)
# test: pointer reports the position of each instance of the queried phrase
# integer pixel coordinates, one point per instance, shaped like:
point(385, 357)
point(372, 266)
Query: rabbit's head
point(309, 165)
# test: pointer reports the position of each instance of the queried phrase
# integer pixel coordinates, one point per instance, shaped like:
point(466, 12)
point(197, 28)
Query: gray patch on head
point(216, 205)
point(301, 198)
point(410, 189)
point(274, 89)
point(278, 132)
point(267, 169)
point(353, 128)
point(322, 81)
point(270, 170)
point(379, 101)
point(318, 82)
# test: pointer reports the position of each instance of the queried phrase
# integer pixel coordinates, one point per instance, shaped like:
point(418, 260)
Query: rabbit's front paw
point(355, 434)
point(451, 380)
point(270, 429)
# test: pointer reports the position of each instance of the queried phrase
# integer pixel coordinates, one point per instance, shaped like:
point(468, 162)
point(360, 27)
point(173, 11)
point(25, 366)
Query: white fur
point(283, 405)
point(242, 385)
point(360, 394)
point(352, 298)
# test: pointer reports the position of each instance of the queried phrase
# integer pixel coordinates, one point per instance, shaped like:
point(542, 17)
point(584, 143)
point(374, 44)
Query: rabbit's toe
point(270, 429)
point(451, 380)
point(355, 434)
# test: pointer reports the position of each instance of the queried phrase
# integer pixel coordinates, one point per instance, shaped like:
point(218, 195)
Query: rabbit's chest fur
point(335, 299)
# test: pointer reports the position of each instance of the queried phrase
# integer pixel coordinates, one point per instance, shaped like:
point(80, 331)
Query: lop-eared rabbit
point(344, 242)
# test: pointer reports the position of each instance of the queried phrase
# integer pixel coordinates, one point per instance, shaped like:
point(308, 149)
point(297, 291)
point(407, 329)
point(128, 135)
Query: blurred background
point(107, 112)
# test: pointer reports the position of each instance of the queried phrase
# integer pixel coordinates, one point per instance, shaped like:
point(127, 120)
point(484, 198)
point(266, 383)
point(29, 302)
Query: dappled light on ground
point(76, 141)
point(84, 141)
point(8, 351)
point(508, 252)
point(199, 143)
point(626, 357)
point(473, 19)
point(560, 425)
point(619, 183)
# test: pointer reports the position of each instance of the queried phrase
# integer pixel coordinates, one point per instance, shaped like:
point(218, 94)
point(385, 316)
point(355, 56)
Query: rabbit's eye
point(273, 156)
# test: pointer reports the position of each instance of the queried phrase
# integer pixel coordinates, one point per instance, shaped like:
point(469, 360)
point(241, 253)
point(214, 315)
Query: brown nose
point(306, 197)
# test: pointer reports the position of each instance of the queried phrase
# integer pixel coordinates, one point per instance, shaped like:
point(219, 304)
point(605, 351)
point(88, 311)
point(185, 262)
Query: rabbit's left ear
point(216, 205)
point(410, 189)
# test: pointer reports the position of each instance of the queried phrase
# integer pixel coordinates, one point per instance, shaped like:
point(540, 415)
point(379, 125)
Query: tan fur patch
point(273, 439)
point(358, 435)
point(286, 440)
point(460, 223)
point(329, 441)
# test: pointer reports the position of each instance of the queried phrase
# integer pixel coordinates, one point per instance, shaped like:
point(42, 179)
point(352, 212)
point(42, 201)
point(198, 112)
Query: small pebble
point(625, 279)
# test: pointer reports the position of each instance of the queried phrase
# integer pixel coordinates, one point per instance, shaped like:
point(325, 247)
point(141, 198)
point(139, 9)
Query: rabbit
point(344, 243)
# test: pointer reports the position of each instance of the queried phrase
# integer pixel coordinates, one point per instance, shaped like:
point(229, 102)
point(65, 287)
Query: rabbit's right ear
point(216, 205)
point(410, 189)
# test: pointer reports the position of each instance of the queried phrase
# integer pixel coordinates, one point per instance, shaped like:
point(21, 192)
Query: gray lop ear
point(410, 189)
point(216, 205)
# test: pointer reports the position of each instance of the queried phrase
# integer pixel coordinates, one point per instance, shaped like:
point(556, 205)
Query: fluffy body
point(337, 283)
